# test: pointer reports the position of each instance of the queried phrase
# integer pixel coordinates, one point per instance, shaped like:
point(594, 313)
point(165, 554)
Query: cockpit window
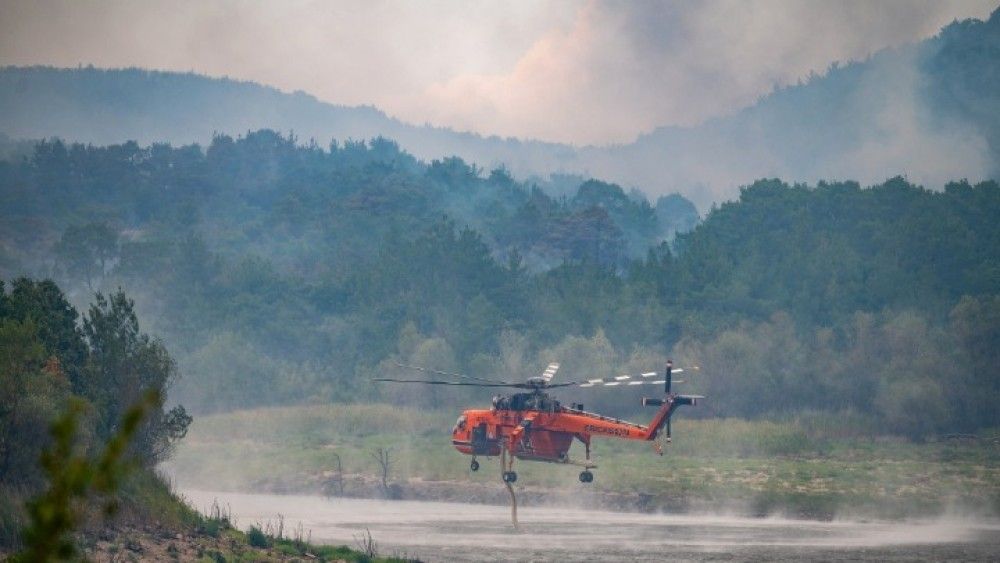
point(459, 424)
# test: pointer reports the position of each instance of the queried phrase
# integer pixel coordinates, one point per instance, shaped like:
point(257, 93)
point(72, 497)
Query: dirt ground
point(147, 544)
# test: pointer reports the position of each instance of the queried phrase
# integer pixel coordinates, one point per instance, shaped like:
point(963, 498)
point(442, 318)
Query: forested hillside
point(283, 273)
point(67, 385)
point(927, 111)
point(267, 193)
point(106, 106)
point(83, 429)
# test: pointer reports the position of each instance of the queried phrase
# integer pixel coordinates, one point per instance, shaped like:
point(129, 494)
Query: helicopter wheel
point(509, 476)
point(474, 465)
point(586, 477)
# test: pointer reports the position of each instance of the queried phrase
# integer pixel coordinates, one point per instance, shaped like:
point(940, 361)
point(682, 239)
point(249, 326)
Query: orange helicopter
point(534, 426)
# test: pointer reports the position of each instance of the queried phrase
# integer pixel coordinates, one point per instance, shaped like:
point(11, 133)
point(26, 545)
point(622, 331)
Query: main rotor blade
point(626, 379)
point(448, 373)
point(622, 383)
point(465, 383)
point(550, 372)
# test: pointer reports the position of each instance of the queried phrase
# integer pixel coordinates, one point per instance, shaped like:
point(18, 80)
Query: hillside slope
point(110, 106)
point(928, 111)
point(282, 273)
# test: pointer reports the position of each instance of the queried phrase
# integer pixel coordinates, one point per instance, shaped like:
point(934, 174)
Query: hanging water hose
point(510, 487)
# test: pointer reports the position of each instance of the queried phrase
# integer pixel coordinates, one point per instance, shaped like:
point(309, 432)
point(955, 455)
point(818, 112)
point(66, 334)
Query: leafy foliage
point(84, 251)
point(282, 273)
point(72, 478)
point(125, 364)
point(100, 371)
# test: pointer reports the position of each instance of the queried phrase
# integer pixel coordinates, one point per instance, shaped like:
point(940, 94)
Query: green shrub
point(74, 477)
point(210, 527)
point(338, 552)
point(257, 538)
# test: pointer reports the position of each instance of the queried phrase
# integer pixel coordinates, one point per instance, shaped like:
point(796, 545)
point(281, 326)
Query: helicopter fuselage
point(535, 427)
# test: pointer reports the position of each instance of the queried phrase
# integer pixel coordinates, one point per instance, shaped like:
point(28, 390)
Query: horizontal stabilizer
point(688, 399)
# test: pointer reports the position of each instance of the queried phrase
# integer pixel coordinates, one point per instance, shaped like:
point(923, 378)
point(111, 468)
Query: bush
point(257, 537)
point(73, 477)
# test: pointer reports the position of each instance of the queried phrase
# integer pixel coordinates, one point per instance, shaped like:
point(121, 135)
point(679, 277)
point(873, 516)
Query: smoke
point(354, 53)
point(630, 67)
point(593, 72)
point(903, 138)
point(866, 121)
point(597, 72)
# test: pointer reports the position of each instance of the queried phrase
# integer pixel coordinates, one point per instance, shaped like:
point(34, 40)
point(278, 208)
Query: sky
point(572, 71)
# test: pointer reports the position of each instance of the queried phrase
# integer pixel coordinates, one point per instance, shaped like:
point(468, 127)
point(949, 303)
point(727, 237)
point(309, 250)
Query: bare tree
point(381, 456)
point(367, 544)
point(337, 481)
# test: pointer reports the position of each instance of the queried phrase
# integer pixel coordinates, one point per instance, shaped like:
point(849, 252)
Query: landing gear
point(586, 477)
point(474, 465)
point(509, 476)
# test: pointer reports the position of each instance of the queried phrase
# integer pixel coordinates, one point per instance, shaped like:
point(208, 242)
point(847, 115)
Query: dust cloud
point(437, 531)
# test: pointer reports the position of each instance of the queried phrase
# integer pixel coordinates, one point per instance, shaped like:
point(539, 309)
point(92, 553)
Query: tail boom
point(667, 405)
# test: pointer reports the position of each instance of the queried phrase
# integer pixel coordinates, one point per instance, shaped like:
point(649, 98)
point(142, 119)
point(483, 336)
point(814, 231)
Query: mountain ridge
point(926, 110)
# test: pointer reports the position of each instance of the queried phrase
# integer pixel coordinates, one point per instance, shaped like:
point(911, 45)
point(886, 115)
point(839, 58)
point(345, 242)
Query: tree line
point(280, 273)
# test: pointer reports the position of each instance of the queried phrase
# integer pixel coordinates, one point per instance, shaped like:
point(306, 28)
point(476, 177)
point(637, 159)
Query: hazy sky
point(571, 71)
